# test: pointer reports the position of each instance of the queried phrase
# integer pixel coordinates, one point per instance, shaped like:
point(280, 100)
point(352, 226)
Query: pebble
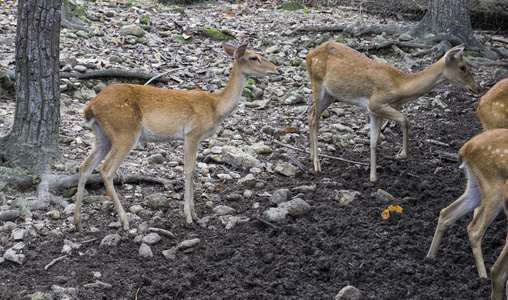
point(111, 240)
point(145, 251)
point(280, 196)
point(188, 244)
point(151, 238)
point(170, 254)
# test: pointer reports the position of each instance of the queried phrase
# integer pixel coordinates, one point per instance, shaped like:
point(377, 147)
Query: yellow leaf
point(398, 209)
point(386, 214)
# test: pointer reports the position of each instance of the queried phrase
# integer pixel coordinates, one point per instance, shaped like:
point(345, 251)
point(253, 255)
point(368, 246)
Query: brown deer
point(493, 106)
point(338, 72)
point(485, 161)
point(122, 114)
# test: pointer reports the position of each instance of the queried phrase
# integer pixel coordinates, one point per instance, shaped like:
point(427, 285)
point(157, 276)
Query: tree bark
point(33, 141)
point(452, 18)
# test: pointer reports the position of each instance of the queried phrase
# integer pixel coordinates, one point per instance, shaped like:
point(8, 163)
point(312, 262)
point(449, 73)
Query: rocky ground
point(269, 227)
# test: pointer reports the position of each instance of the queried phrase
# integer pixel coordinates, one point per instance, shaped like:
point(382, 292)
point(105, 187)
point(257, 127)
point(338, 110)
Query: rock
point(296, 207)
point(286, 169)
point(275, 214)
point(349, 293)
point(158, 201)
point(188, 244)
point(151, 238)
point(18, 234)
point(405, 37)
point(294, 98)
point(344, 197)
point(40, 296)
point(54, 214)
point(64, 293)
point(268, 129)
point(248, 181)
point(132, 30)
point(279, 196)
point(111, 240)
point(14, 256)
point(145, 251)
point(305, 188)
point(239, 159)
point(80, 68)
point(262, 149)
point(156, 159)
point(84, 95)
point(223, 176)
point(222, 210)
point(384, 195)
point(16, 179)
point(170, 254)
point(9, 215)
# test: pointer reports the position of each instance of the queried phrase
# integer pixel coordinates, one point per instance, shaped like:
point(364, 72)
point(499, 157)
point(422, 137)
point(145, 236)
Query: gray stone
point(170, 254)
point(8, 215)
point(279, 196)
point(145, 251)
point(188, 244)
point(16, 179)
point(151, 238)
point(296, 207)
point(384, 195)
point(275, 214)
point(286, 169)
point(239, 159)
point(158, 201)
point(344, 197)
point(349, 293)
point(18, 234)
point(14, 256)
point(223, 210)
point(156, 159)
point(248, 181)
point(111, 240)
point(132, 30)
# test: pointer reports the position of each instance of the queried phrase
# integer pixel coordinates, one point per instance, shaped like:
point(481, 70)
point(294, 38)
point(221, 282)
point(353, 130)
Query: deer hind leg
point(463, 205)
point(100, 149)
point(191, 149)
point(375, 130)
point(120, 147)
point(498, 274)
point(490, 207)
point(322, 100)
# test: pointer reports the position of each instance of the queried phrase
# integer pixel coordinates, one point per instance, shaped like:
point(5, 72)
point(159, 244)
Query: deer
point(484, 159)
point(499, 270)
point(493, 106)
point(123, 114)
point(338, 72)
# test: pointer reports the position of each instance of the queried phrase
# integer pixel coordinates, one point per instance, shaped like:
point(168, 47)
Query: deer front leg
point(375, 130)
point(498, 274)
point(313, 119)
point(191, 149)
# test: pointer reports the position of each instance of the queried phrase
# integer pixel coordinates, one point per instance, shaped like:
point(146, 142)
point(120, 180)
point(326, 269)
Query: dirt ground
point(309, 257)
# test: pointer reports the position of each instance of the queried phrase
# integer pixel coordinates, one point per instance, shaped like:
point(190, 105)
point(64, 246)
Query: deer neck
point(227, 99)
point(418, 84)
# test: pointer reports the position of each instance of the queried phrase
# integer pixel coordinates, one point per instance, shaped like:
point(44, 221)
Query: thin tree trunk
point(33, 140)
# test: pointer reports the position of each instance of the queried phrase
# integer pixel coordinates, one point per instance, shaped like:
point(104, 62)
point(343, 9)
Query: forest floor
point(308, 257)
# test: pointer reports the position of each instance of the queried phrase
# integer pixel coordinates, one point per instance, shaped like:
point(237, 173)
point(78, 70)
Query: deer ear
point(240, 51)
point(454, 53)
point(229, 48)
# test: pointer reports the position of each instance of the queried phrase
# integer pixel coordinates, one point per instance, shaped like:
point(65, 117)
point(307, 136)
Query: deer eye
point(254, 58)
point(463, 68)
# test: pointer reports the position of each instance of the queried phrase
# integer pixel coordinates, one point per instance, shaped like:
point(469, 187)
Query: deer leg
point(498, 274)
point(191, 149)
point(388, 112)
point(322, 101)
point(463, 205)
point(100, 149)
point(120, 148)
point(375, 130)
point(489, 209)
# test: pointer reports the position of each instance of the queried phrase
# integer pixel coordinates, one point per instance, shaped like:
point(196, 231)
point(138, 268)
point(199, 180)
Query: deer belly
point(362, 102)
point(149, 136)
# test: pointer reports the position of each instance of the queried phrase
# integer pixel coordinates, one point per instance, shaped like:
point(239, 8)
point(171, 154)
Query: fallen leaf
point(385, 214)
point(186, 36)
point(290, 129)
point(229, 15)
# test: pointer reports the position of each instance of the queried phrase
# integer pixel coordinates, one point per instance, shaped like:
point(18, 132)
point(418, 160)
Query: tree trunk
point(33, 140)
point(451, 18)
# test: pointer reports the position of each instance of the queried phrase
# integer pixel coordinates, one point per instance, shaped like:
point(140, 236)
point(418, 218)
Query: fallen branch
point(59, 182)
point(162, 74)
point(162, 231)
point(266, 223)
point(322, 155)
point(115, 73)
point(54, 262)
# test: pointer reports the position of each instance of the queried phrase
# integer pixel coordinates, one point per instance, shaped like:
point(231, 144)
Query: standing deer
point(499, 270)
point(339, 72)
point(485, 161)
point(122, 114)
point(493, 106)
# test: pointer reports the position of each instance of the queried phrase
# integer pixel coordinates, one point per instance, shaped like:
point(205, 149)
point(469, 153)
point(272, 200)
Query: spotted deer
point(493, 106)
point(485, 161)
point(338, 72)
point(122, 114)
